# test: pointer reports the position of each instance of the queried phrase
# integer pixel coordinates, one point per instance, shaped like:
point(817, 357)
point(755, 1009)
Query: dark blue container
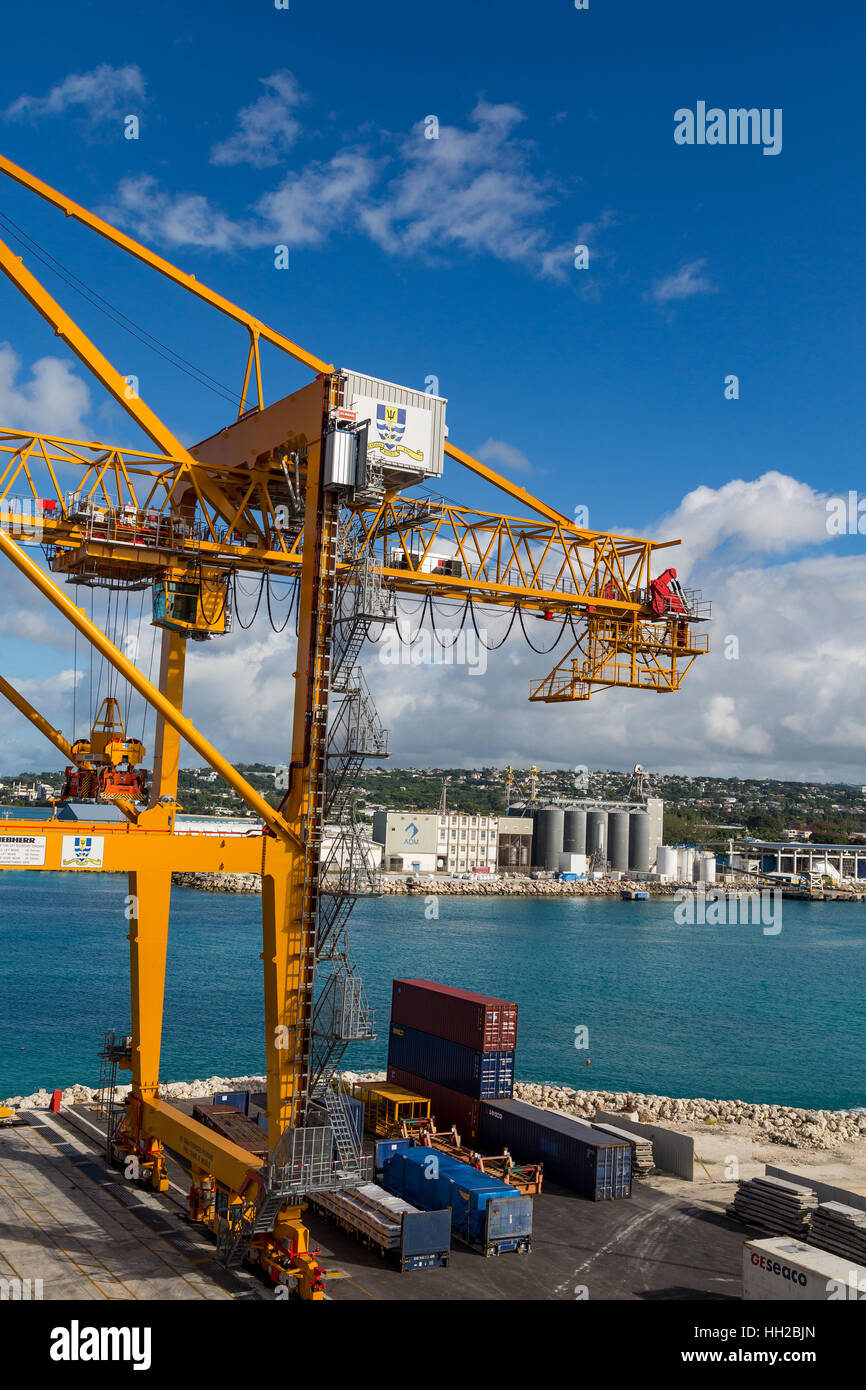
point(596, 1165)
point(482, 1075)
point(239, 1099)
point(485, 1213)
point(385, 1148)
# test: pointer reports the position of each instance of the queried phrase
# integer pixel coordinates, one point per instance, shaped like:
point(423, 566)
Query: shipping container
point(448, 1107)
point(233, 1124)
point(482, 1075)
point(784, 1268)
point(383, 1150)
point(239, 1099)
point(596, 1165)
point(475, 1020)
point(485, 1213)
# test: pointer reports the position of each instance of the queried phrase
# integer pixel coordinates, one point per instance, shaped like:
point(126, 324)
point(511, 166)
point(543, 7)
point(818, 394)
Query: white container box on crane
point(405, 430)
point(784, 1268)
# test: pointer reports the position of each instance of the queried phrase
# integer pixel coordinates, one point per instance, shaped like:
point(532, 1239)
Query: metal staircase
point(116, 1051)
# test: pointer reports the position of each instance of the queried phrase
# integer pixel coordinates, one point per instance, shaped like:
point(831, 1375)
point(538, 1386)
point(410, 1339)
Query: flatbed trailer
point(233, 1124)
point(414, 1239)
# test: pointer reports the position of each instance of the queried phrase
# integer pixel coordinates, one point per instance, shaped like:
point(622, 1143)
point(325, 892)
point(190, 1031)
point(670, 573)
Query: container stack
point(453, 1045)
point(774, 1205)
point(841, 1230)
point(642, 1163)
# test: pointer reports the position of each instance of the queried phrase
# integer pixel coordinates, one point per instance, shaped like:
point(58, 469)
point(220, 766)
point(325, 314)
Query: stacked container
point(454, 1046)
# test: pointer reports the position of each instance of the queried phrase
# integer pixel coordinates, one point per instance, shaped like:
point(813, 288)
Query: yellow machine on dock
point(389, 1111)
point(314, 490)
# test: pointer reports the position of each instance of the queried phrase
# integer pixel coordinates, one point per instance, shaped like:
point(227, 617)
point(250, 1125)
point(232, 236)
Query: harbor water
point(705, 1010)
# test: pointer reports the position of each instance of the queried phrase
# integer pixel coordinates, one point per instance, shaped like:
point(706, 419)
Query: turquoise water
point(676, 1010)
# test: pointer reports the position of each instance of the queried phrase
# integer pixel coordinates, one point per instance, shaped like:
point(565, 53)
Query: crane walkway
point(86, 1234)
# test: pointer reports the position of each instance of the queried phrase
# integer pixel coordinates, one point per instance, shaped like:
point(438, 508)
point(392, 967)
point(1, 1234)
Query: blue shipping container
point(485, 1213)
point(596, 1165)
point(482, 1075)
point(385, 1148)
point(239, 1099)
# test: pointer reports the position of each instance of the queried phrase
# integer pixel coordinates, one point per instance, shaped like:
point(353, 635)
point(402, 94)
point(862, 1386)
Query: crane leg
point(147, 910)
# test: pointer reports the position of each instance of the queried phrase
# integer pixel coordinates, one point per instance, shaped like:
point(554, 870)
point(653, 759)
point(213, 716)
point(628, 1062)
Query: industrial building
point(450, 842)
point(619, 835)
point(788, 858)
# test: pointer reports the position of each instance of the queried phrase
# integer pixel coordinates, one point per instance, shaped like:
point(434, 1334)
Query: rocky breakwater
point(776, 1124)
point(170, 1090)
point(480, 887)
point(220, 883)
point(519, 887)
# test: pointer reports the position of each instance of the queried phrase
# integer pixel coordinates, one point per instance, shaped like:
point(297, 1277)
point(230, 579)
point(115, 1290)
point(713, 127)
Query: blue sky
point(602, 387)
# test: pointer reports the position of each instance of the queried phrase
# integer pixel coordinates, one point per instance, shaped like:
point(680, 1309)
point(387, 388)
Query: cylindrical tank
point(549, 825)
point(666, 861)
point(596, 832)
point(638, 842)
point(574, 833)
point(685, 860)
point(706, 866)
point(617, 840)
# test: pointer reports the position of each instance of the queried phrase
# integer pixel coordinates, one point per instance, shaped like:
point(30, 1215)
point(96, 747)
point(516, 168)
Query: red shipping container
point(476, 1020)
point(448, 1107)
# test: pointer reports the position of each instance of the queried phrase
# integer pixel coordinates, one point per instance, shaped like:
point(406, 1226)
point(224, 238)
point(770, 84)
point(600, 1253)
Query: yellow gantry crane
point(316, 488)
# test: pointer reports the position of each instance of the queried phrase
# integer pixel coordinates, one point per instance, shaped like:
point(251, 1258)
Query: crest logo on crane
point(82, 852)
point(391, 427)
point(391, 424)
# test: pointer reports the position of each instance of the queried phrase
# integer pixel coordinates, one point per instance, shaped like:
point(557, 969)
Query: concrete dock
point(72, 1221)
point(68, 1220)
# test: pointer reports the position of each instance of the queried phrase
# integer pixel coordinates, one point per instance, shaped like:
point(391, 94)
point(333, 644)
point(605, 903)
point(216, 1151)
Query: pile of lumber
point(642, 1161)
point(781, 1208)
point(841, 1230)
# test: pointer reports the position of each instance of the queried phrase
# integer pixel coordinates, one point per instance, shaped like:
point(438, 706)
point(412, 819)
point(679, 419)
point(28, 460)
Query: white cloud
point(689, 280)
point(51, 400)
point(472, 190)
point(103, 94)
point(773, 514)
point(266, 129)
point(308, 206)
point(182, 219)
point(725, 731)
point(499, 454)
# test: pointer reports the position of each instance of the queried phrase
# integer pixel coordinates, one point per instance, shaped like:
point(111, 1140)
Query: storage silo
point(706, 864)
point(574, 833)
point(639, 842)
point(666, 862)
point(617, 840)
point(685, 861)
point(596, 833)
point(549, 826)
